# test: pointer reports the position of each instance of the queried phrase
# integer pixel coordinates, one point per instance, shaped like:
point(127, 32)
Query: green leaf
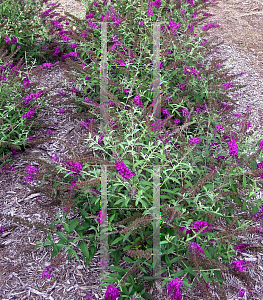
point(13, 47)
point(67, 227)
point(116, 276)
point(84, 248)
point(148, 278)
point(110, 280)
point(126, 236)
point(218, 276)
point(120, 238)
point(253, 165)
point(63, 237)
point(73, 224)
point(79, 238)
point(84, 213)
point(237, 199)
point(190, 270)
point(174, 179)
point(118, 269)
point(205, 277)
point(180, 273)
point(244, 181)
point(127, 259)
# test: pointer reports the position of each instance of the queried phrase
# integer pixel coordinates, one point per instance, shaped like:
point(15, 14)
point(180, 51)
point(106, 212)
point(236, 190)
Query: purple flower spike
point(233, 150)
point(112, 293)
point(123, 170)
point(137, 101)
point(173, 289)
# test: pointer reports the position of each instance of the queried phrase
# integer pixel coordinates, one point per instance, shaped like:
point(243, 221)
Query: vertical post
point(104, 246)
point(156, 223)
point(103, 80)
point(156, 71)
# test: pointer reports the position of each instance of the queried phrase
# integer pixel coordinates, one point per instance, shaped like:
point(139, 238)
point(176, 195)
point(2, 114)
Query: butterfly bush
point(227, 85)
point(241, 293)
point(47, 272)
point(241, 248)
point(112, 293)
point(173, 289)
point(233, 149)
point(123, 170)
point(198, 225)
point(2, 229)
point(195, 140)
point(137, 101)
point(240, 265)
point(196, 247)
point(31, 170)
point(209, 26)
point(28, 114)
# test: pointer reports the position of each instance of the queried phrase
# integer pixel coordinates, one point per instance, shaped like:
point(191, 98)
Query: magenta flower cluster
point(173, 289)
point(137, 101)
point(258, 215)
point(209, 26)
point(72, 54)
point(2, 229)
point(156, 3)
point(198, 225)
point(166, 112)
point(47, 272)
point(31, 170)
point(190, 2)
point(112, 293)
point(123, 170)
point(28, 98)
point(8, 167)
point(196, 247)
point(191, 70)
point(157, 125)
point(74, 167)
point(227, 85)
point(182, 86)
point(12, 41)
point(174, 26)
point(239, 265)
point(28, 114)
point(233, 149)
point(241, 248)
point(45, 65)
point(241, 293)
point(85, 124)
point(195, 140)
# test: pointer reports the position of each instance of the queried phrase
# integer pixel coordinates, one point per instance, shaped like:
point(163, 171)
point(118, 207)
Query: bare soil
point(241, 25)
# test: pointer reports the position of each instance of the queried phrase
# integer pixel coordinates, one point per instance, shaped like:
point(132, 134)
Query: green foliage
point(14, 129)
point(195, 184)
point(20, 19)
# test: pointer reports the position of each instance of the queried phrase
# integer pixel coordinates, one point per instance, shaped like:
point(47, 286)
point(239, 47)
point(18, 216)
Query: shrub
point(206, 178)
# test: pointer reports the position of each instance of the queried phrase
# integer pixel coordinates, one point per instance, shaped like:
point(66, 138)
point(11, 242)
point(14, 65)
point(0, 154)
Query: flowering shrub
point(203, 158)
point(173, 289)
point(15, 109)
point(19, 29)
